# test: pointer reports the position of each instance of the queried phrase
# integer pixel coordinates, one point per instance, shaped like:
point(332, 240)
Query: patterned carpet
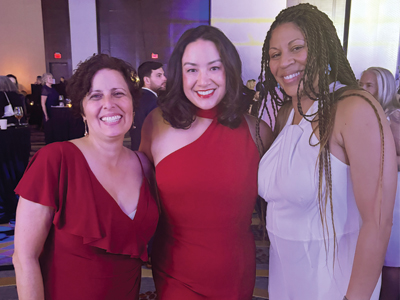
point(147, 290)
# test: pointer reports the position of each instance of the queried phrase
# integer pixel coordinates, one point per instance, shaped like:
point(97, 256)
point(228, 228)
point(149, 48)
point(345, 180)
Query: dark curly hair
point(80, 83)
point(326, 61)
point(175, 106)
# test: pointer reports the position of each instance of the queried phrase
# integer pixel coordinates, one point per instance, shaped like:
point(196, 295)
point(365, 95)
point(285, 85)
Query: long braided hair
point(326, 61)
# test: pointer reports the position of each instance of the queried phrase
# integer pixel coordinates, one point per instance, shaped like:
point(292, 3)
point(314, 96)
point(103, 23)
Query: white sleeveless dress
point(300, 267)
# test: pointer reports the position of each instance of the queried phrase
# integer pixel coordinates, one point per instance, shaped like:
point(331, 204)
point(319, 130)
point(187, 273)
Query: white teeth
point(292, 76)
point(205, 93)
point(111, 119)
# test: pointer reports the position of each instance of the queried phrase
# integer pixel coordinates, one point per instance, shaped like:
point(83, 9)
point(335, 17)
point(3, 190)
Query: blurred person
point(38, 80)
point(251, 84)
point(330, 176)
point(86, 210)
point(152, 81)
point(9, 99)
point(202, 143)
point(381, 84)
point(49, 97)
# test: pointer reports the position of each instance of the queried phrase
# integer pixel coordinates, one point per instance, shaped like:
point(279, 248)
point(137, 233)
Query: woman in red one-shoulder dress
point(203, 146)
point(86, 211)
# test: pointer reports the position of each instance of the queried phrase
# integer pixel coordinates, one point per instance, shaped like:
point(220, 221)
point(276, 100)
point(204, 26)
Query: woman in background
point(49, 98)
point(86, 211)
point(9, 99)
point(381, 84)
point(329, 177)
point(202, 143)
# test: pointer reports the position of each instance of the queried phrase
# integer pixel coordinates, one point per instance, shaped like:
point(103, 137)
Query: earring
point(86, 129)
point(329, 70)
point(279, 86)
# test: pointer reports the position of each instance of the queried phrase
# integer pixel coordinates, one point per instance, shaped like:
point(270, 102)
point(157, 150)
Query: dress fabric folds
point(300, 267)
point(204, 247)
point(93, 250)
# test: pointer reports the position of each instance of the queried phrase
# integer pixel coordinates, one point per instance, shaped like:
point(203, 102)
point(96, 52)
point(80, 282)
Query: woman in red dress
point(202, 143)
point(86, 211)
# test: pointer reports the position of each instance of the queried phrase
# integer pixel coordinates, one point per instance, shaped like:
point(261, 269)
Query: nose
point(203, 78)
point(286, 59)
point(108, 101)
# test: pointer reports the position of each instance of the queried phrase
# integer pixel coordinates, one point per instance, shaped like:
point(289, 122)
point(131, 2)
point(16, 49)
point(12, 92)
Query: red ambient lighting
point(154, 55)
point(57, 55)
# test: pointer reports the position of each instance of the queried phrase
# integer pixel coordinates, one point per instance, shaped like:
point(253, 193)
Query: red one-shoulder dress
point(203, 247)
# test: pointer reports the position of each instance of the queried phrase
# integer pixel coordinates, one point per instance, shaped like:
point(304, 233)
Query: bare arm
point(148, 168)
point(395, 126)
point(147, 135)
point(361, 136)
point(32, 227)
point(43, 102)
point(265, 131)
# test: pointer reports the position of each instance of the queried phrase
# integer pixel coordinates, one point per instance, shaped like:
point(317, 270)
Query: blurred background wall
point(55, 35)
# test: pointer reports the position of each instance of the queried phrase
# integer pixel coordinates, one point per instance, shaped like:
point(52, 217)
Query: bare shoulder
point(265, 131)
point(154, 118)
point(153, 126)
point(358, 106)
point(144, 160)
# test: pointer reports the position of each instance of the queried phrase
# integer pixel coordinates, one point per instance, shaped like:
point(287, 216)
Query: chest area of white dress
point(289, 170)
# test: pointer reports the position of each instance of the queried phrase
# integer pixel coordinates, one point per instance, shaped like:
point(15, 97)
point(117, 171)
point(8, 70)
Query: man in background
point(152, 81)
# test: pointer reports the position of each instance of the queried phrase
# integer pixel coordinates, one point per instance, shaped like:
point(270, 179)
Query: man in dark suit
point(152, 81)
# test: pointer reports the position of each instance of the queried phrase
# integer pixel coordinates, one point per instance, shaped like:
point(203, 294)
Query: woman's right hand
point(32, 226)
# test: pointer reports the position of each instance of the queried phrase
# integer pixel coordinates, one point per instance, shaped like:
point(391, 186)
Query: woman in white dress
point(330, 176)
point(381, 84)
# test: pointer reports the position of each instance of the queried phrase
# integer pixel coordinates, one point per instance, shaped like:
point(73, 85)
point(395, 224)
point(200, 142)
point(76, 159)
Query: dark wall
point(134, 29)
point(57, 36)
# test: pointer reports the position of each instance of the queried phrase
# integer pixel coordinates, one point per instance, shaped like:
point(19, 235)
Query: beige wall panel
point(21, 40)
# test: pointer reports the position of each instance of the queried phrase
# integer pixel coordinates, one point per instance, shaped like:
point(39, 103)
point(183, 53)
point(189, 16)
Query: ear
point(146, 81)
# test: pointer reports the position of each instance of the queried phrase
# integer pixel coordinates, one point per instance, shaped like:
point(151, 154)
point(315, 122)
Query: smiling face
point(203, 74)
point(108, 107)
point(369, 83)
point(288, 56)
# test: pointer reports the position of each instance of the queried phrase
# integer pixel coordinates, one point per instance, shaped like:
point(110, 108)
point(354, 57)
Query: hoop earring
point(86, 128)
point(133, 122)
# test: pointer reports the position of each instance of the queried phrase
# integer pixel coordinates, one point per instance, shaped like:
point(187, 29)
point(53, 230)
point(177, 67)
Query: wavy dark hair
point(80, 83)
point(326, 61)
point(177, 109)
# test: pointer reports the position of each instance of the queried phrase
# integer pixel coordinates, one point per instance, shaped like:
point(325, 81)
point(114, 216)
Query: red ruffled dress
point(93, 250)
point(204, 248)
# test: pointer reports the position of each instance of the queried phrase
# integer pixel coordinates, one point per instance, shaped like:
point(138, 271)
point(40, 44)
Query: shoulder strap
point(7, 97)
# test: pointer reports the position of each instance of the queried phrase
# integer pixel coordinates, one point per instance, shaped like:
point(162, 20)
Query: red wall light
point(154, 55)
point(57, 55)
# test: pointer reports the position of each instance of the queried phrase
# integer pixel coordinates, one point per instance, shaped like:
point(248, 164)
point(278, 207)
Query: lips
point(111, 119)
point(206, 93)
point(291, 76)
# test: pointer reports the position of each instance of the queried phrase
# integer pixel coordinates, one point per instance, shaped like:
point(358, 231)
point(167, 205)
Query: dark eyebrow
point(296, 40)
point(292, 41)
point(210, 63)
point(214, 61)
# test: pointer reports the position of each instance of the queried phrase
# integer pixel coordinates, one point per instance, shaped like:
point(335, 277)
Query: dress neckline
point(104, 189)
point(207, 113)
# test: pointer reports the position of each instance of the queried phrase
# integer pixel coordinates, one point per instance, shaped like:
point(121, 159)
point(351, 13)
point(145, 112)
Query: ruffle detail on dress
point(85, 209)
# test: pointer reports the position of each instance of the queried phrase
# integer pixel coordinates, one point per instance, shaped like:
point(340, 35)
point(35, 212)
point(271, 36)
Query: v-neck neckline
point(107, 192)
